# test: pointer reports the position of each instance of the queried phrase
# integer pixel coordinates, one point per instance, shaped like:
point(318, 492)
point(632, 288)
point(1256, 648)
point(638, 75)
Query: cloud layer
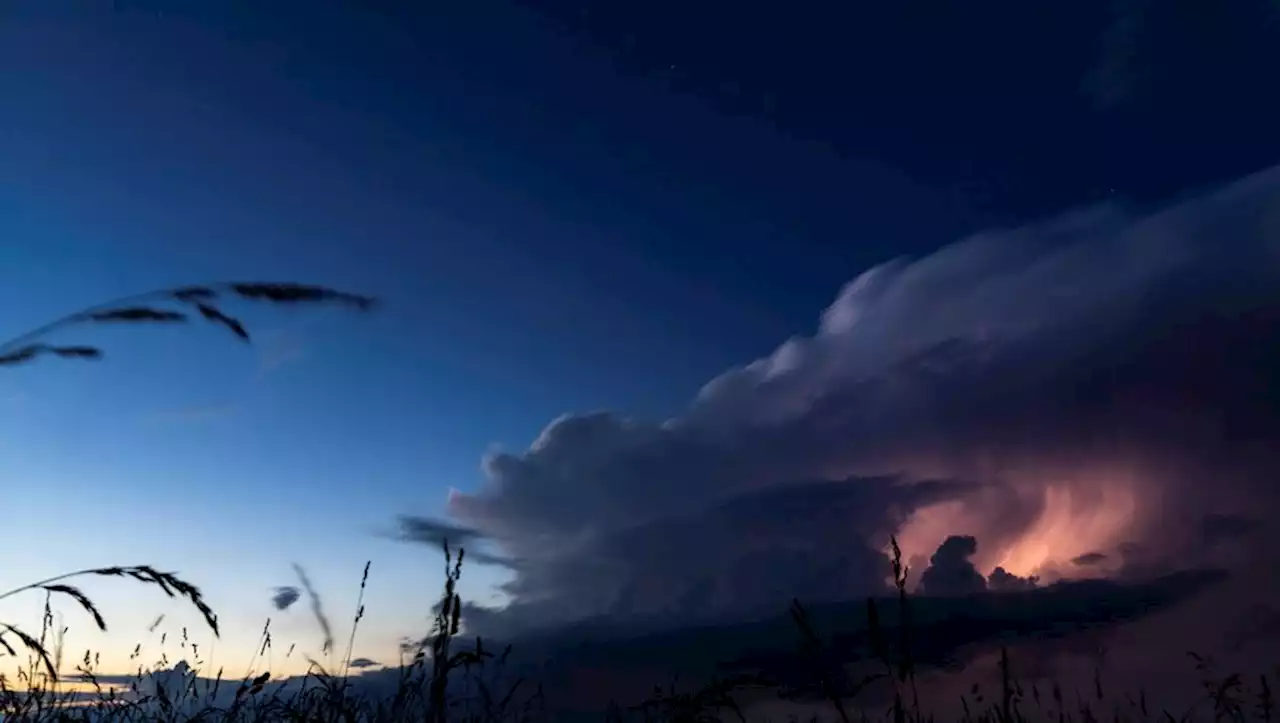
point(1095, 395)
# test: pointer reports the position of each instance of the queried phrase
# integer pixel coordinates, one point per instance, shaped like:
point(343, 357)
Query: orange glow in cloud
point(1069, 526)
point(1074, 519)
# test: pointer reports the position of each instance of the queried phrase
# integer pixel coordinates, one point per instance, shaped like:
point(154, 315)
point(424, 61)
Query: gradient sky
point(564, 209)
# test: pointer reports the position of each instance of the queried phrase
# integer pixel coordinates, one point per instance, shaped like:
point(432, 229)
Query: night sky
point(1006, 271)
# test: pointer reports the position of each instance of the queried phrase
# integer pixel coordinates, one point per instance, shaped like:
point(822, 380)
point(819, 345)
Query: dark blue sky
point(566, 206)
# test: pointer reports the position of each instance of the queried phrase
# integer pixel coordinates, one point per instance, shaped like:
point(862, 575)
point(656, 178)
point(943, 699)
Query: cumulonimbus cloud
point(1095, 384)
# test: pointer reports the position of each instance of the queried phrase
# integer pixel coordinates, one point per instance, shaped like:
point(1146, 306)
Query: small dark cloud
point(435, 533)
point(365, 663)
point(1089, 559)
point(950, 570)
point(285, 597)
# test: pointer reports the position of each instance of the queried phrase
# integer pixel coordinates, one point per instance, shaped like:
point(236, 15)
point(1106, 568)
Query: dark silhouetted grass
point(177, 305)
point(442, 678)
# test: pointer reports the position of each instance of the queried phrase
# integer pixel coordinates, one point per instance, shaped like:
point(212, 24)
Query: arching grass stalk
point(169, 582)
point(171, 306)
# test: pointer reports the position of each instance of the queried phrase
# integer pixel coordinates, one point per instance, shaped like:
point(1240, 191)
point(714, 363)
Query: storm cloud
point(1101, 383)
point(951, 571)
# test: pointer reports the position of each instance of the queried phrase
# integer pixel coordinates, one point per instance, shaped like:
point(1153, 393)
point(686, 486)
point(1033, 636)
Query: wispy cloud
point(278, 350)
point(194, 414)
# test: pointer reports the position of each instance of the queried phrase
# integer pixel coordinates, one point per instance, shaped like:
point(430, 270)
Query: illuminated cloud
point(1095, 384)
